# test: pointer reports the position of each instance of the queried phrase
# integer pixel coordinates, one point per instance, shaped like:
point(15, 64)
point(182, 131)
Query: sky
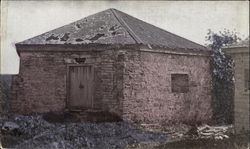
point(21, 20)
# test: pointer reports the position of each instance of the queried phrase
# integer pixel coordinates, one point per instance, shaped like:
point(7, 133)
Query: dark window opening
point(179, 83)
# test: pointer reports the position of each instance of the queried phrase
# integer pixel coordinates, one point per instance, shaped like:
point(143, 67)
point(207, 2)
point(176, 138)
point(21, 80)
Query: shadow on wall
point(90, 116)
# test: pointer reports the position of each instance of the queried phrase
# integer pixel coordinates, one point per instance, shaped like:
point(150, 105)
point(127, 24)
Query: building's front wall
point(41, 83)
point(148, 97)
point(241, 97)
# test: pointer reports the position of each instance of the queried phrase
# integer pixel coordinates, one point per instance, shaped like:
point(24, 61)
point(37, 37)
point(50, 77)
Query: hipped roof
point(109, 27)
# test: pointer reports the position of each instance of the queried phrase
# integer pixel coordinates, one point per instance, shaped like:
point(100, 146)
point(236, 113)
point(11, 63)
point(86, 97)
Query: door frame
point(68, 83)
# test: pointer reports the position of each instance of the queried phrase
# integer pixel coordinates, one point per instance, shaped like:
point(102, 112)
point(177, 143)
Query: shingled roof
point(112, 27)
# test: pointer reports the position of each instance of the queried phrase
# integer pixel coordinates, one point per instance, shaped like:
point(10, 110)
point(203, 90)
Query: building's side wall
point(41, 83)
point(241, 99)
point(147, 88)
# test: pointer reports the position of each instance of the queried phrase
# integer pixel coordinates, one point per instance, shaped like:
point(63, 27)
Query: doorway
point(80, 87)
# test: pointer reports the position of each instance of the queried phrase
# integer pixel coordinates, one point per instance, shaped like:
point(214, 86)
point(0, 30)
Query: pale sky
point(21, 20)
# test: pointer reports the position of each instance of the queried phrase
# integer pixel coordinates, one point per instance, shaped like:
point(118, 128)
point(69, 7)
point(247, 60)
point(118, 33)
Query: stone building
point(114, 62)
point(240, 54)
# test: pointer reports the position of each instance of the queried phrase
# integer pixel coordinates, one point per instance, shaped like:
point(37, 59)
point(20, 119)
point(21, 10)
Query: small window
point(179, 83)
point(246, 79)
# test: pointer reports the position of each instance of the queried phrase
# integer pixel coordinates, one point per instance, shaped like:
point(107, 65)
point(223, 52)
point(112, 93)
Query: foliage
point(218, 40)
point(223, 76)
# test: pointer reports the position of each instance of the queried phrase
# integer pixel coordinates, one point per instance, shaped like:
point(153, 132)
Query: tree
point(222, 74)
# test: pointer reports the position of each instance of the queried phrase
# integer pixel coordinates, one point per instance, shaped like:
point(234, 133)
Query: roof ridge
point(125, 25)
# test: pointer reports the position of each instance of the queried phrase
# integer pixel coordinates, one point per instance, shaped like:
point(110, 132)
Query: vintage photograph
point(124, 74)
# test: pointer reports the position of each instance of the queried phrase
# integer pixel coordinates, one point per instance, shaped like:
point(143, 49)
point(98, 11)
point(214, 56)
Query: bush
point(223, 76)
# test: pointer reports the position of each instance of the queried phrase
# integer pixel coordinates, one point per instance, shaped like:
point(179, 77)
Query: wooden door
point(80, 87)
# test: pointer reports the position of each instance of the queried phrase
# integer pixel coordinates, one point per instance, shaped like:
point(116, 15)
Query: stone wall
point(241, 99)
point(134, 84)
point(148, 97)
point(41, 83)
